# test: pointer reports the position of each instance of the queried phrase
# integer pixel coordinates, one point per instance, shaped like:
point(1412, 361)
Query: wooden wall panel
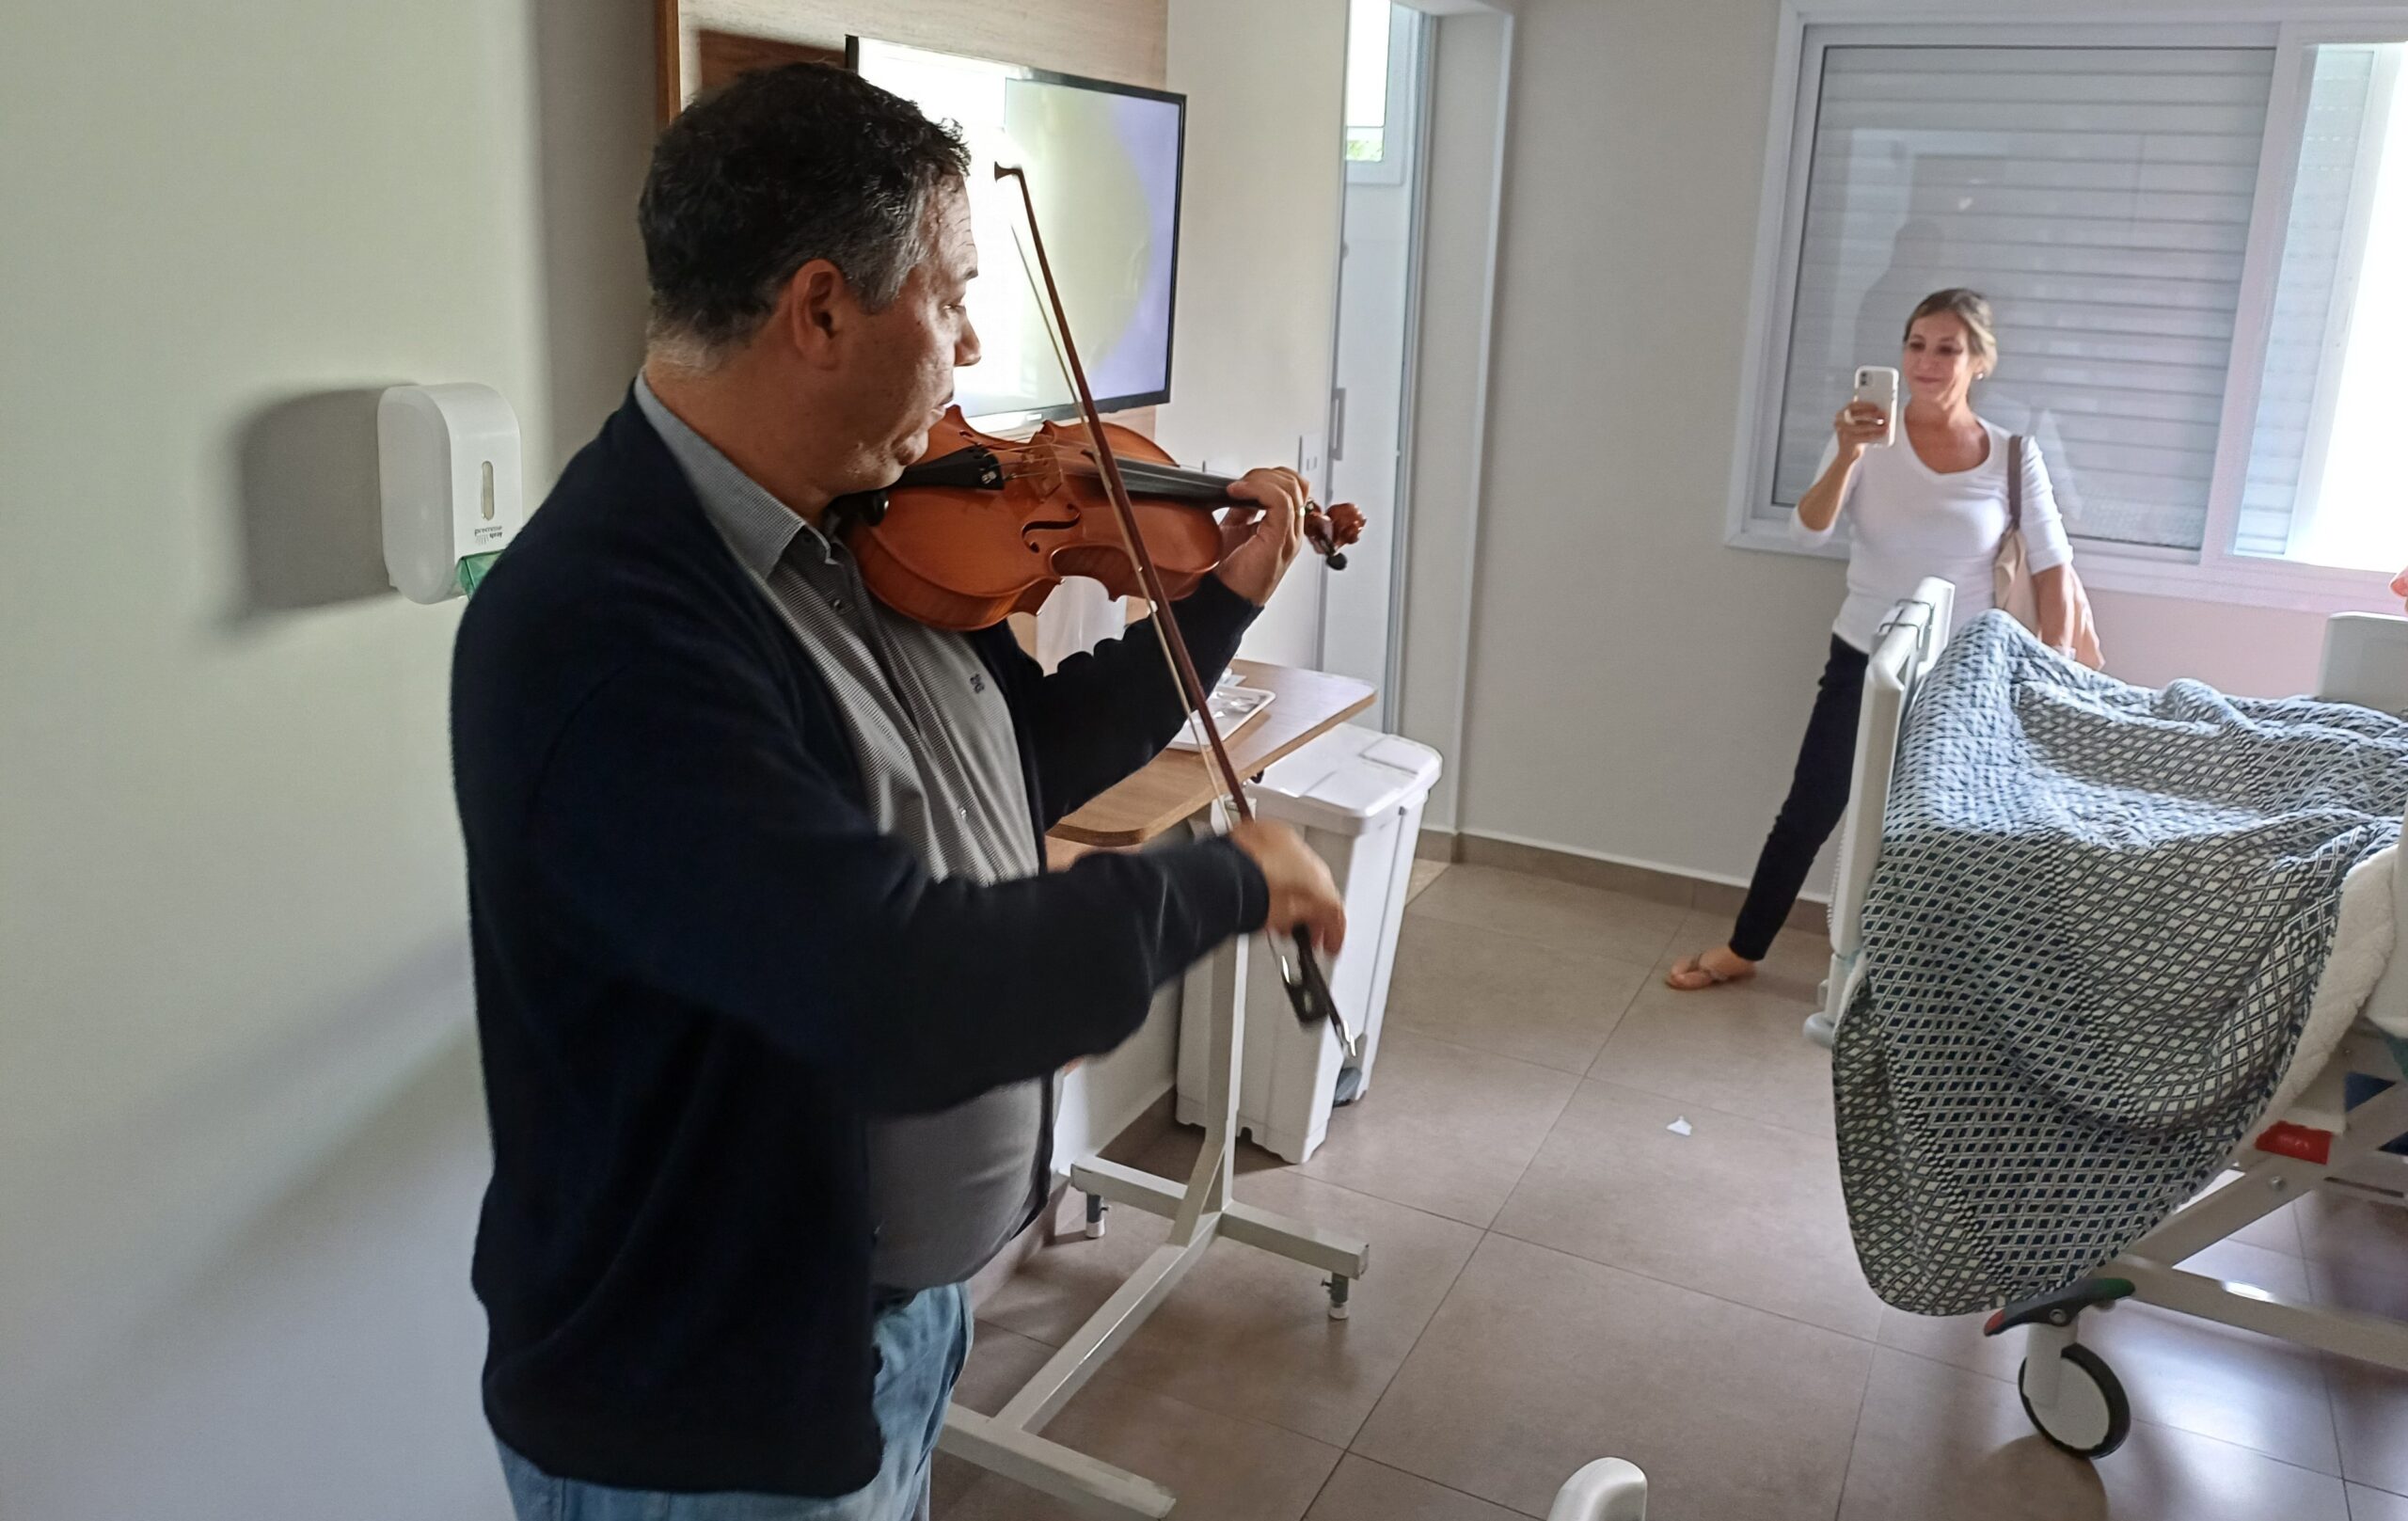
point(720, 56)
point(1126, 40)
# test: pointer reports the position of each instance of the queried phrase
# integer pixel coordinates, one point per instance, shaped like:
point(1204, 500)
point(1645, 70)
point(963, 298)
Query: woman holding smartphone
point(1932, 501)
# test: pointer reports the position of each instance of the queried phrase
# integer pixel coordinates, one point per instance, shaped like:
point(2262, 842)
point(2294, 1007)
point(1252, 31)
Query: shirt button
point(963, 813)
point(837, 603)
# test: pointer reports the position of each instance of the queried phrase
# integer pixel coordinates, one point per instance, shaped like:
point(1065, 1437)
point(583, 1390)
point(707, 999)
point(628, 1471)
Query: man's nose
point(966, 351)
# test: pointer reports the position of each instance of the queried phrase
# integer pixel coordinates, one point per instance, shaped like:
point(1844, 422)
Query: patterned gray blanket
point(2095, 927)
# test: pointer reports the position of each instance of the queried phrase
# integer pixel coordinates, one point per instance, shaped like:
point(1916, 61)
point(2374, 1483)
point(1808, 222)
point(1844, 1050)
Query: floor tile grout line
point(1106, 1376)
point(1103, 1377)
point(1855, 1432)
point(2325, 1366)
point(1481, 1050)
point(1436, 1483)
point(1580, 1071)
point(1622, 894)
point(1330, 1478)
point(2331, 1395)
point(1872, 1340)
point(1647, 967)
point(1453, 1284)
point(1469, 1258)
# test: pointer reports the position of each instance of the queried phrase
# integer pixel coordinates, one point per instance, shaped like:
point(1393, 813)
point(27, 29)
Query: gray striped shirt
point(941, 764)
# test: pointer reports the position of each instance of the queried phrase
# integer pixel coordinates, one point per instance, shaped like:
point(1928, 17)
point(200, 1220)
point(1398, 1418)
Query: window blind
point(2099, 195)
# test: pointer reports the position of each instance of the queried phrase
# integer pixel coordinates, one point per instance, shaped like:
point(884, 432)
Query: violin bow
point(1300, 970)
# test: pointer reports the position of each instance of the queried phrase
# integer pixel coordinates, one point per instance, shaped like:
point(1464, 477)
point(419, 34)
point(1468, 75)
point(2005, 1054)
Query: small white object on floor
point(1606, 1490)
point(1680, 1126)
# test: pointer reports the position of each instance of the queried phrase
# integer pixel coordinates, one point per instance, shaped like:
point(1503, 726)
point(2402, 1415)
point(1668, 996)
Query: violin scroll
point(1329, 531)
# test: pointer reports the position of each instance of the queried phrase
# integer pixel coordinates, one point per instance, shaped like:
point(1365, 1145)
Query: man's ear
point(815, 311)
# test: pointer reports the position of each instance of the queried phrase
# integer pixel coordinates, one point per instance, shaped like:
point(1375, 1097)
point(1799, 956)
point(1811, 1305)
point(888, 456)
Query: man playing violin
point(770, 979)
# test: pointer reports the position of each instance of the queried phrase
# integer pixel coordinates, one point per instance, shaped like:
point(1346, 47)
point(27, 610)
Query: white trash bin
point(1356, 796)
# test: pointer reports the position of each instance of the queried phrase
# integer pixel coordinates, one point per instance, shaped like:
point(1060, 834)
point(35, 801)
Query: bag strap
point(2015, 483)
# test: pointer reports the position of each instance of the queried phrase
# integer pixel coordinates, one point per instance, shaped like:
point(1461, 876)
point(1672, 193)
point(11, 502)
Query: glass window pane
point(1366, 78)
point(2325, 483)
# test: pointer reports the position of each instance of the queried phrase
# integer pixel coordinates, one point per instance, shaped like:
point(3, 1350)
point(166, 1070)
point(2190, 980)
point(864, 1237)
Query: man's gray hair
point(769, 172)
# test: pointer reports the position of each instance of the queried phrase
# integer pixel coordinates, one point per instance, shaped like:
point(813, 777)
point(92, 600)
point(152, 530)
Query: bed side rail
point(1911, 640)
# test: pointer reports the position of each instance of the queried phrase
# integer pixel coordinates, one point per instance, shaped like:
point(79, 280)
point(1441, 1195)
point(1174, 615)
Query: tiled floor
point(1560, 1275)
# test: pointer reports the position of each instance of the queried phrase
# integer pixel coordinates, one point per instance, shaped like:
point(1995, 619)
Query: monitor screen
point(1103, 164)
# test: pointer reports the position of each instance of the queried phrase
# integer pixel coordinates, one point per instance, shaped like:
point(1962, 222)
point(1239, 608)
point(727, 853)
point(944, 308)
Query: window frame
point(2214, 573)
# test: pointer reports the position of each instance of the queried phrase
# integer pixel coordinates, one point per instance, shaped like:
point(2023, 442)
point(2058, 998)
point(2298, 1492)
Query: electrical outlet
point(1312, 459)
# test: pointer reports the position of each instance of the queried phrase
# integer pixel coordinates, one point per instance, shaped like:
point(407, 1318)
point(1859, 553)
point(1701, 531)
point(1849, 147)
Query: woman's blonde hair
point(1968, 306)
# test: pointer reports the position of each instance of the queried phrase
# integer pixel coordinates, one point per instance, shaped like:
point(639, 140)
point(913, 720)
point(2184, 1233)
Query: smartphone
point(1878, 385)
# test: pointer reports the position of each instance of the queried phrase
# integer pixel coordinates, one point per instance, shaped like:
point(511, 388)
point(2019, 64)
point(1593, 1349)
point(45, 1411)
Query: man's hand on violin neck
point(1259, 541)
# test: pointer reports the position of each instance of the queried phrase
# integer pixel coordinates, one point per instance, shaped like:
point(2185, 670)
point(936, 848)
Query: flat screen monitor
point(1103, 164)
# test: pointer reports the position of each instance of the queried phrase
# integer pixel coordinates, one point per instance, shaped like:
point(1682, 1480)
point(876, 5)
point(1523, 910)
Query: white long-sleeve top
point(1907, 521)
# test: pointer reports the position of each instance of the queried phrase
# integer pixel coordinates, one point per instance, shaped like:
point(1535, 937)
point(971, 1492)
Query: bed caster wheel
point(1821, 1029)
point(2090, 1416)
point(1095, 1217)
point(1339, 1287)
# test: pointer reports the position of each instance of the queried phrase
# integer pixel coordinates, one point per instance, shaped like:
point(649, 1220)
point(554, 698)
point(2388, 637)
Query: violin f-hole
point(1034, 526)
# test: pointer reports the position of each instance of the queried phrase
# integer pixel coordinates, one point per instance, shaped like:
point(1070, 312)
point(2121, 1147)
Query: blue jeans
point(922, 1343)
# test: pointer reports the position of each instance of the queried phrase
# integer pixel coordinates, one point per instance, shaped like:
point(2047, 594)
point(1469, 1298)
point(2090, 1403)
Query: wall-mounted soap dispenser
point(448, 465)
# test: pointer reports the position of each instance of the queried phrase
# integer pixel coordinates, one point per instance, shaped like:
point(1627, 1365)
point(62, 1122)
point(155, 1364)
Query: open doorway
point(1387, 77)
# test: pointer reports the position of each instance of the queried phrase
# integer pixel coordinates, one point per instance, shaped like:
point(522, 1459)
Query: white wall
point(1636, 689)
point(1257, 261)
point(241, 1135)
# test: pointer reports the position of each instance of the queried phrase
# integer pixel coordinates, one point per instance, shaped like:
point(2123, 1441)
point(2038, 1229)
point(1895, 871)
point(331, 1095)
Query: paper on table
point(1232, 708)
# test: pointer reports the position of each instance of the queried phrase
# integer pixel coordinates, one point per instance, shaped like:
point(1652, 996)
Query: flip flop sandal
point(1695, 966)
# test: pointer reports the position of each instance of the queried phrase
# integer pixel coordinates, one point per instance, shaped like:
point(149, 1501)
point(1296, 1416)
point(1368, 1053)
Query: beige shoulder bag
point(2011, 577)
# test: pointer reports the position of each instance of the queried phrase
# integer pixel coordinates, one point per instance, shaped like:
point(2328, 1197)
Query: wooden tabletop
point(1178, 783)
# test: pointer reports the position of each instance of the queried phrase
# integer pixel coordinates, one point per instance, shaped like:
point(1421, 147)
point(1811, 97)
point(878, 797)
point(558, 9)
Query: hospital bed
point(2317, 1143)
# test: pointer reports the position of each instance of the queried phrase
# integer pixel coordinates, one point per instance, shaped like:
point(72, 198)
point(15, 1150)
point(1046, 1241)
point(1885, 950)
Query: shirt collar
point(758, 527)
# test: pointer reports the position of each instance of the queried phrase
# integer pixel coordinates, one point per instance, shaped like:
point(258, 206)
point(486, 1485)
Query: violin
point(986, 527)
point(983, 526)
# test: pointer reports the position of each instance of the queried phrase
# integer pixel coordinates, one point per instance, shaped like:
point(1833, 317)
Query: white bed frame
point(2318, 1144)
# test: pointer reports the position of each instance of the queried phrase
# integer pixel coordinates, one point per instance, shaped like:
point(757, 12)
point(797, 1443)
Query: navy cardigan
point(700, 967)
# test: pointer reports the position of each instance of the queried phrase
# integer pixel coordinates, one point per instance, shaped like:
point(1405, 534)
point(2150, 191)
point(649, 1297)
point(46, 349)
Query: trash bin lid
point(1345, 779)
